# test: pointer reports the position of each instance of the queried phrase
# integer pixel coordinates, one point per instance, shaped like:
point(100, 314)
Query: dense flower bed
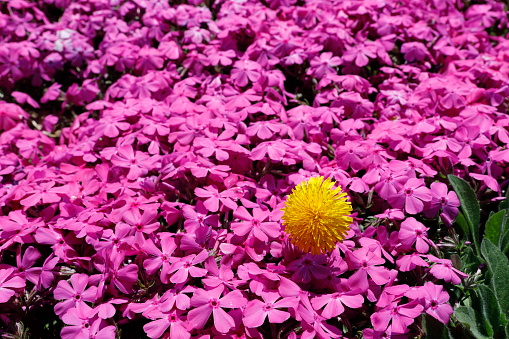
point(147, 149)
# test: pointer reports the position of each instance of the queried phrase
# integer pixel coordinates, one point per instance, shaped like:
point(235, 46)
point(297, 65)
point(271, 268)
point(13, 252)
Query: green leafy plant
point(483, 310)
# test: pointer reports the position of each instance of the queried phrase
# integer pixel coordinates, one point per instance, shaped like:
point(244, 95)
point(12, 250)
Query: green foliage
point(484, 311)
point(469, 208)
point(471, 319)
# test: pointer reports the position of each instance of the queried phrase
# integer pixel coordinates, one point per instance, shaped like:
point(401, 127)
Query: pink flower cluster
point(146, 150)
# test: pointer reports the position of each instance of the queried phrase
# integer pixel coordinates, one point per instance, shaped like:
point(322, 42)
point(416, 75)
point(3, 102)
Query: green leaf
point(469, 207)
point(467, 316)
point(495, 226)
point(465, 230)
point(504, 204)
point(498, 266)
point(470, 261)
point(486, 304)
point(504, 243)
point(434, 329)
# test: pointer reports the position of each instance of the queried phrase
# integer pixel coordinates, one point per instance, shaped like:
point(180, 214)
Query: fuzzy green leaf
point(469, 207)
point(495, 227)
point(487, 305)
point(469, 318)
point(498, 266)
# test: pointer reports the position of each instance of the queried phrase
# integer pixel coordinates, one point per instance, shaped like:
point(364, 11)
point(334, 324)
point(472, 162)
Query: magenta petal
point(212, 204)
point(177, 331)
point(277, 316)
point(380, 320)
point(198, 316)
point(442, 313)
point(90, 295)
point(30, 257)
point(413, 205)
point(333, 309)
point(411, 311)
point(79, 282)
point(63, 291)
point(222, 320)
point(253, 314)
point(233, 299)
point(353, 301)
point(5, 294)
point(155, 329)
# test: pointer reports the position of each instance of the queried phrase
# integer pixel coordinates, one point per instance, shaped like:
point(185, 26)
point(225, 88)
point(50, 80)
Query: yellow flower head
point(316, 215)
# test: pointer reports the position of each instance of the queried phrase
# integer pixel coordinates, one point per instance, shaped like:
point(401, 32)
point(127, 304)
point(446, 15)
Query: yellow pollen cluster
point(317, 215)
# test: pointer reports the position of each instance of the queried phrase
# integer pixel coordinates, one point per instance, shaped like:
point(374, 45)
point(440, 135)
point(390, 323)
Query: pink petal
point(177, 331)
point(63, 291)
point(155, 329)
point(277, 316)
point(79, 282)
point(253, 314)
point(333, 309)
point(233, 299)
point(222, 320)
point(197, 317)
point(413, 205)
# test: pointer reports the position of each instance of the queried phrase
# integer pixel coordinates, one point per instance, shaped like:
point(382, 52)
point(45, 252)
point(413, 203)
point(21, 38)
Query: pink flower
point(443, 269)
point(334, 303)
point(74, 293)
point(161, 257)
point(413, 194)
point(434, 300)
point(10, 115)
point(255, 224)
point(257, 311)
point(142, 223)
point(84, 323)
point(44, 193)
point(9, 283)
point(414, 51)
point(220, 275)
point(173, 320)
point(351, 154)
point(365, 262)
point(448, 202)
point(324, 64)
point(276, 150)
point(359, 53)
point(17, 228)
point(408, 262)
point(137, 162)
point(313, 324)
point(398, 316)
point(186, 267)
point(309, 267)
point(211, 302)
point(244, 71)
point(213, 197)
point(411, 232)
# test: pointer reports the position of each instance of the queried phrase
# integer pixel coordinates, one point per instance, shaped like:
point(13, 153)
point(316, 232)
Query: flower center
point(214, 303)
point(268, 307)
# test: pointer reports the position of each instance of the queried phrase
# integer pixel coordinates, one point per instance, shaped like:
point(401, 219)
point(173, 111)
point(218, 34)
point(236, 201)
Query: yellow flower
point(316, 215)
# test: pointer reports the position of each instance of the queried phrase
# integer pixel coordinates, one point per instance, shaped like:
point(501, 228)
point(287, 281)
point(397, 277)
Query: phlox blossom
point(257, 311)
point(210, 302)
point(434, 300)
